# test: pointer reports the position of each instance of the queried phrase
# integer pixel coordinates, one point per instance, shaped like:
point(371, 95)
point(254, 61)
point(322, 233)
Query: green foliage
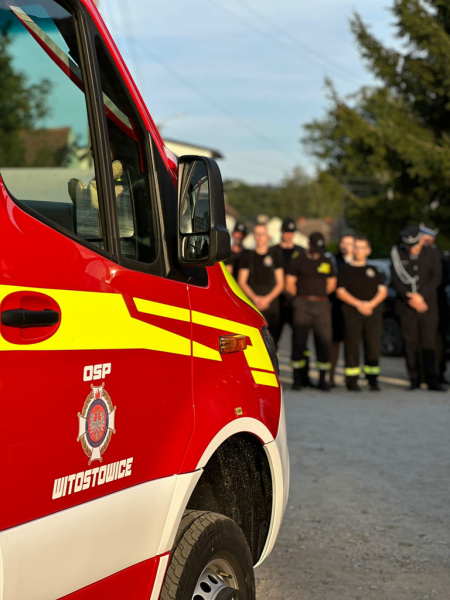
point(21, 106)
point(298, 195)
point(398, 133)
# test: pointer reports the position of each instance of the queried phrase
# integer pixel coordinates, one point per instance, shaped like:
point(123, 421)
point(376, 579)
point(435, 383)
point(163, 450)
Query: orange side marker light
point(232, 343)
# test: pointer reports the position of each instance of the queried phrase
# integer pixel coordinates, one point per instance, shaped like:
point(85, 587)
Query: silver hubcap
point(216, 577)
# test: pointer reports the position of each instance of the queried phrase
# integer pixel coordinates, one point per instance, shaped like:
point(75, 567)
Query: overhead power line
point(295, 40)
point(210, 100)
point(125, 10)
point(324, 62)
point(199, 92)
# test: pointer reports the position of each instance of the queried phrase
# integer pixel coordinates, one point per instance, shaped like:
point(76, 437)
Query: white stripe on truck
point(56, 555)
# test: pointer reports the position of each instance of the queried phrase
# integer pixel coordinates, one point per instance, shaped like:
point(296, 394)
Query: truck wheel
point(210, 560)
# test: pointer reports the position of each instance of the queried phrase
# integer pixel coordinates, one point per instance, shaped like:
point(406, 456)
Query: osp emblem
point(96, 423)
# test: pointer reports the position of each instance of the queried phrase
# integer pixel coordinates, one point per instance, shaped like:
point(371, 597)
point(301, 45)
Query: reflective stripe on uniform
point(371, 370)
point(352, 371)
point(298, 364)
point(306, 353)
point(323, 366)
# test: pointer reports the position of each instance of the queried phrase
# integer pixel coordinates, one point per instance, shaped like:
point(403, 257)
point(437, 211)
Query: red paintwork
point(169, 407)
point(41, 393)
point(220, 387)
point(134, 583)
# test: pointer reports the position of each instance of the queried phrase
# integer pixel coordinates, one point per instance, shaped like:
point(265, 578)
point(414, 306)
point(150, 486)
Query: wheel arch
point(238, 482)
point(272, 461)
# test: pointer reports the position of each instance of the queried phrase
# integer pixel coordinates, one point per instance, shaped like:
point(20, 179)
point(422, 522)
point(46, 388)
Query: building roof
point(42, 146)
point(183, 148)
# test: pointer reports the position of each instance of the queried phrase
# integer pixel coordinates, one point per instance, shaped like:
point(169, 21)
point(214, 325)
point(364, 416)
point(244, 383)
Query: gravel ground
point(368, 515)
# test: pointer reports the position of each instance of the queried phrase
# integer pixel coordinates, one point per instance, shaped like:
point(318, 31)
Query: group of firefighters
point(340, 299)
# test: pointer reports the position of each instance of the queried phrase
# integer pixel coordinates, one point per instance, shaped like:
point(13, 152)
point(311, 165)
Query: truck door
point(95, 344)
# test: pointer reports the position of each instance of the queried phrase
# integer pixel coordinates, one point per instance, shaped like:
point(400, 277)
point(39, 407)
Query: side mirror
point(203, 238)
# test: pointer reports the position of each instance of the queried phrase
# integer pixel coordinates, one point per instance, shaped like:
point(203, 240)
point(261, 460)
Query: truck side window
point(45, 150)
point(134, 202)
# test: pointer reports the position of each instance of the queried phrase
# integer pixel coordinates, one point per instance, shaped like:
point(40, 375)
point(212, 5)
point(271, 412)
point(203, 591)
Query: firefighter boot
point(297, 385)
point(323, 383)
point(373, 383)
point(305, 380)
point(431, 376)
point(352, 383)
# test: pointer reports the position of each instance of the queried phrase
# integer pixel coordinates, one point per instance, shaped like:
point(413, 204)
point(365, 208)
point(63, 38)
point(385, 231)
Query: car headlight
point(271, 348)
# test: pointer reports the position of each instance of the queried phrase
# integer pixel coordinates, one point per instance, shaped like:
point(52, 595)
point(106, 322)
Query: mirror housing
point(202, 247)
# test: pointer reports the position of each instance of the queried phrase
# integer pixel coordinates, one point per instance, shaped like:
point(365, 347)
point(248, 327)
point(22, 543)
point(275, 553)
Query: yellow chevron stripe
point(97, 321)
point(100, 321)
point(201, 351)
point(162, 310)
point(235, 287)
point(265, 378)
point(256, 354)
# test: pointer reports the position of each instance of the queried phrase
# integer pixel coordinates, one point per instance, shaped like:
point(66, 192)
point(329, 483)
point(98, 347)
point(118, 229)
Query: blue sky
point(243, 85)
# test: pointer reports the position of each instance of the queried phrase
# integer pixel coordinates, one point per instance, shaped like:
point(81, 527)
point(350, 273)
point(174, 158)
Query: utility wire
point(125, 10)
point(295, 40)
point(324, 63)
point(212, 101)
point(243, 124)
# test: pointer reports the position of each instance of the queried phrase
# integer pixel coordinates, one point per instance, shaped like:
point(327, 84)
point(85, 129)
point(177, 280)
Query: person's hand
point(257, 302)
point(421, 307)
point(261, 303)
point(416, 250)
point(264, 303)
point(417, 302)
point(365, 309)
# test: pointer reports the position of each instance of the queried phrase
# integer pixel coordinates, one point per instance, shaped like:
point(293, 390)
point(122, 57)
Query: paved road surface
point(368, 516)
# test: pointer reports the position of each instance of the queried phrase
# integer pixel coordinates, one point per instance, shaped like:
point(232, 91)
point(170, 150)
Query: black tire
point(392, 340)
point(202, 538)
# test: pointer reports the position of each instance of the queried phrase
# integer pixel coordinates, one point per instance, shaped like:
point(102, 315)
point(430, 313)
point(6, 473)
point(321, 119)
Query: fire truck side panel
point(133, 583)
point(52, 557)
point(228, 387)
point(44, 386)
point(84, 519)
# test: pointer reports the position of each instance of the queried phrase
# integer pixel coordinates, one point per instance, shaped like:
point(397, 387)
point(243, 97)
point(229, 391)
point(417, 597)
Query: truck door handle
point(22, 318)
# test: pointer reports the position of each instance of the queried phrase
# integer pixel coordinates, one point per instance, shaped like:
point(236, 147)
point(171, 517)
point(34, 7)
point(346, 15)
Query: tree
point(298, 195)
point(398, 132)
point(21, 106)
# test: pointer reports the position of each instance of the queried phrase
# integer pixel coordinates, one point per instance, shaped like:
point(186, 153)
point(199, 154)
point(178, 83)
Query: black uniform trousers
point(309, 314)
point(286, 317)
point(420, 332)
point(442, 331)
point(368, 330)
point(272, 316)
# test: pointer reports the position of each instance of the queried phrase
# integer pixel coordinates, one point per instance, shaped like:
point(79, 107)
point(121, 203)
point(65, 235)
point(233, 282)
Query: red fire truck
point(142, 435)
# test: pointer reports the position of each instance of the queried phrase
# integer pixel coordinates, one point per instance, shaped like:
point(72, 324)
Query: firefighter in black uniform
point(233, 262)
point(416, 277)
point(288, 251)
point(310, 278)
point(343, 256)
point(428, 239)
point(361, 289)
point(261, 277)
